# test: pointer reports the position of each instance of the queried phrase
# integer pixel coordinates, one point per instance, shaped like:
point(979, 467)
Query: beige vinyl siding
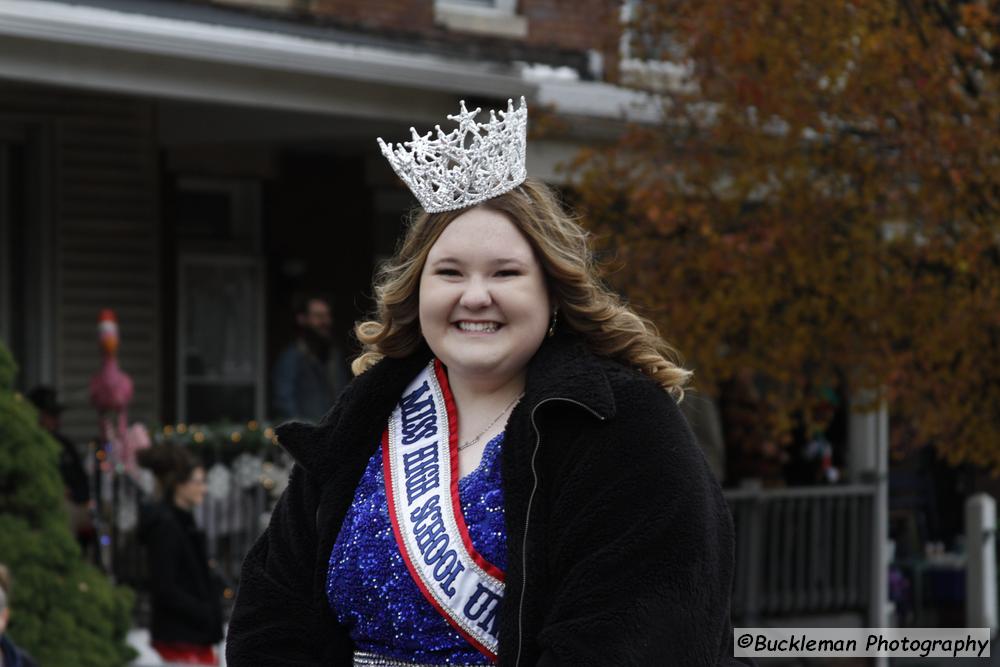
point(105, 254)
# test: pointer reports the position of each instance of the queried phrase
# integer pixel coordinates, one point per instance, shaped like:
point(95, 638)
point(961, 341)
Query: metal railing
point(802, 551)
point(799, 551)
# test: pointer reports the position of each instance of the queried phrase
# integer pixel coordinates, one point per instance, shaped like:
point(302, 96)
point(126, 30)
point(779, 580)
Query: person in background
point(812, 460)
point(186, 596)
point(10, 654)
point(70, 466)
point(310, 372)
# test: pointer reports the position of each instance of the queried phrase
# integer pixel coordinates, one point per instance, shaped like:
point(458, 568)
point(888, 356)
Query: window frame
point(499, 20)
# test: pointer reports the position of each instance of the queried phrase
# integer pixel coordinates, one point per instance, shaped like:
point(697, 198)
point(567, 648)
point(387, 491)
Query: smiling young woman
point(507, 480)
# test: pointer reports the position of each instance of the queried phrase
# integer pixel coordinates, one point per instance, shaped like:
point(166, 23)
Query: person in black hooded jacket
point(614, 545)
point(186, 599)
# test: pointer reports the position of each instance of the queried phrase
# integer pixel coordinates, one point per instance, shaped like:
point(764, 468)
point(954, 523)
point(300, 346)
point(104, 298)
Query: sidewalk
point(138, 638)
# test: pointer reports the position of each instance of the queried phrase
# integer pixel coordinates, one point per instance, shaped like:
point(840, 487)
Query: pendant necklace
point(470, 443)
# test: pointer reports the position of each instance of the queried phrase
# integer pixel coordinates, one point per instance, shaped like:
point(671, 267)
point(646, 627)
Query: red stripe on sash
point(463, 530)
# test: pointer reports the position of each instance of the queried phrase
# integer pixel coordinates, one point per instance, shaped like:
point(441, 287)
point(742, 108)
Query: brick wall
point(563, 26)
point(579, 25)
point(572, 24)
point(412, 16)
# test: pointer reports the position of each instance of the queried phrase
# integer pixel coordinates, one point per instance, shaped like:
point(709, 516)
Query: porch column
point(868, 462)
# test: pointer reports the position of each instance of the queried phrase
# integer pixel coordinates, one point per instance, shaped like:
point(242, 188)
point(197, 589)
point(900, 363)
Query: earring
point(552, 324)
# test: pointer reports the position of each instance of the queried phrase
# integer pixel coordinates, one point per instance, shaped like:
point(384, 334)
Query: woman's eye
point(508, 272)
point(447, 272)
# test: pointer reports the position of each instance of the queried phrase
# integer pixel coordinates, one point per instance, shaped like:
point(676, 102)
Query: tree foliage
point(63, 611)
point(820, 199)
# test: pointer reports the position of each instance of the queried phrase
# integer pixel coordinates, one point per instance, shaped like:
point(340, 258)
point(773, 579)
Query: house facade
point(194, 165)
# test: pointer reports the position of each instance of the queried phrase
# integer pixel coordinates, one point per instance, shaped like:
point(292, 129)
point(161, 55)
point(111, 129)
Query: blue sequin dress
point(371, 591)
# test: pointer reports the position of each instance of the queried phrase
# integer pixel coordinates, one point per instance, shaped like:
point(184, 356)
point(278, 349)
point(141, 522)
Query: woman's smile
point(477, 327)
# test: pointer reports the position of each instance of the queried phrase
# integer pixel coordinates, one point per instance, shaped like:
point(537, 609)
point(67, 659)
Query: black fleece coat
point(619, 542)
point(186, 597)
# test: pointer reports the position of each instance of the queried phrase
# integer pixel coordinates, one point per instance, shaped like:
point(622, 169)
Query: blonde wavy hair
point(586, 306)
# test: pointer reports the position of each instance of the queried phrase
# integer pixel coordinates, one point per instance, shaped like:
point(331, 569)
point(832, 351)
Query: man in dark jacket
point(75, 480)
point(310, 372)
point(627, 558)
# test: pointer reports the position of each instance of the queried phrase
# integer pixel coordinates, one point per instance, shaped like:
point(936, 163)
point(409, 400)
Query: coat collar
point(565, 368)
point(562, 369)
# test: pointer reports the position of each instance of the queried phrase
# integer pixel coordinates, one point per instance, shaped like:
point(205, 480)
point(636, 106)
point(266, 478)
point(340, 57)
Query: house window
point(220, 302)
point(653, 62)
point(496, 18)
point(220, 373)
point(507, 6)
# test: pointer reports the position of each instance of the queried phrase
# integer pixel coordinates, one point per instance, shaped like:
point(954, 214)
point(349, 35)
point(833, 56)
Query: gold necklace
point(470, 443)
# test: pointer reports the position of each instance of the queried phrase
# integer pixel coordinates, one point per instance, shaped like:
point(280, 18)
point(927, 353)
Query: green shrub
point(63, 610)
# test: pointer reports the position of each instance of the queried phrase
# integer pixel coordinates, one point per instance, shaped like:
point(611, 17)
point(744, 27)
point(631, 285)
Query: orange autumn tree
point(819, 199)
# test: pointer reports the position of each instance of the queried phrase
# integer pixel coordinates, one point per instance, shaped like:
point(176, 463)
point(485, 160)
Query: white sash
point(420, 460)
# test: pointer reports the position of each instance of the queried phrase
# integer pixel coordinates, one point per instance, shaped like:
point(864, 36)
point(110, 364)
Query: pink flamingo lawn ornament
point(110, 393)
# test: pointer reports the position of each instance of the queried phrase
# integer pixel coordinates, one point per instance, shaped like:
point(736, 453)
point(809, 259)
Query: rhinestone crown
point(466, 166)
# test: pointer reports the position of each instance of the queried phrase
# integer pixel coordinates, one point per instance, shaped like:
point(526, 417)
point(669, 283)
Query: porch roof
point(180, 52)
point(114, 50)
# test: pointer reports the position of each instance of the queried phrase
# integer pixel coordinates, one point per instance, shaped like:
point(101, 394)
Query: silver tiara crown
point(466, 166)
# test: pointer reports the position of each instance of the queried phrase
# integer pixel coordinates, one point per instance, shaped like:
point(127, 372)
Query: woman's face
point(191, 493)
point(484, 307)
